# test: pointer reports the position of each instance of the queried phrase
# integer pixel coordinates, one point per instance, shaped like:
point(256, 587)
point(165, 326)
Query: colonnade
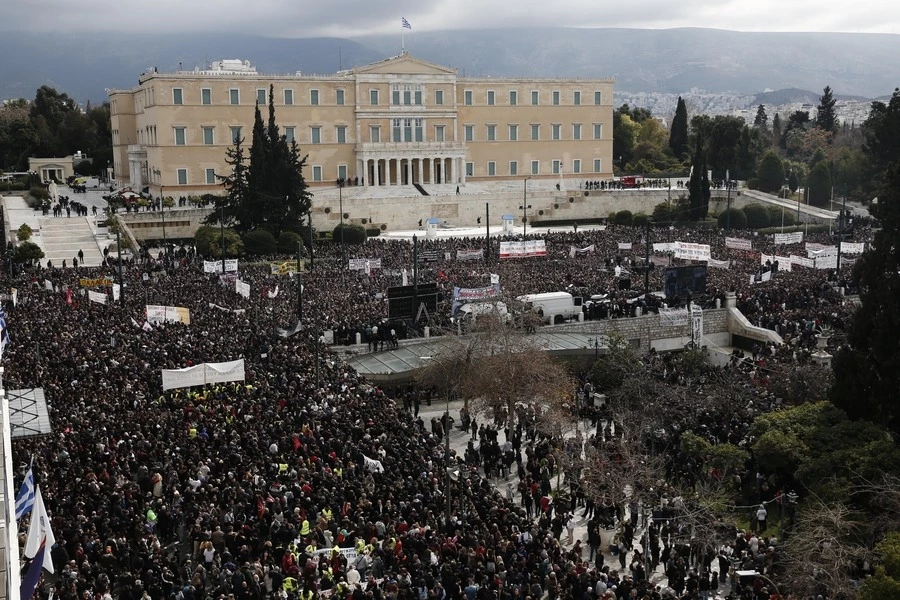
point(407, 171)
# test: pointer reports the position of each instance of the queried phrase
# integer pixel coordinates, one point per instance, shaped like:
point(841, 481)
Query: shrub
point(734, 217)
point(259, 241)
point(23, 233)
point(39, 192)
point(663, 213)
point(27, 252)
point(623, 217)
point(757, 216)
point(288, 242)
point(208, 240)
point(776, 214)
point(770, 172)
point(640, 220)
point(819, 184)
point(373, 232)
point(352, 234)
point(753, 183)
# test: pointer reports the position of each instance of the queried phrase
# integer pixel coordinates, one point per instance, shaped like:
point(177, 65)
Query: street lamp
point(340, 184)
point(525, 206)
point(162, 206)
point(447, 429)
point(728, 194)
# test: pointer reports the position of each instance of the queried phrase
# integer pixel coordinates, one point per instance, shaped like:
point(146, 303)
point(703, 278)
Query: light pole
point(340, 183)
point(728, 195)
point(162, 206)
point(525, 206)
point(119, 248)
point(447, 429)
point(222, 230)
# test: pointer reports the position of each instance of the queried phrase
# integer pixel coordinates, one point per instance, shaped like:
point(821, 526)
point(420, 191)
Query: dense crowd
point(306, 481)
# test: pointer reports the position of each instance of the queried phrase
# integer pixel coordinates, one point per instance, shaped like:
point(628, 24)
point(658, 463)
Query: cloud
point(351, 18)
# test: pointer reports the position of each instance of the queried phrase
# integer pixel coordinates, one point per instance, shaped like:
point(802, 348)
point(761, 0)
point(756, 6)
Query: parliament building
point(398, 122)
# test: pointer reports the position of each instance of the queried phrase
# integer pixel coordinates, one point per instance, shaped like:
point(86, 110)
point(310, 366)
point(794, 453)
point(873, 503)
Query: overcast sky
point(346, 18)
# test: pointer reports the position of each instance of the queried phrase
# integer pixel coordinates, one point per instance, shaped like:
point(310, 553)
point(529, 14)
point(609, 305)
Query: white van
point(554, 306)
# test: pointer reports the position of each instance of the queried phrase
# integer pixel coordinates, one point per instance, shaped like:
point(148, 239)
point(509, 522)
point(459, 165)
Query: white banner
point(48, 285)
point(215, 266)
point(826, 262)
point(688, 251)
point(738, 244)
point(523, 249)
point(853, 248)
point(803, 262)
point(673, 317)
point(172, 314)
point(237, 311)
point(789, 238)
point(98, 297)
point(766, 258)
point(116, 292)
point(814, 247)
point(242, 288)
point(624, 245)
point(573, 251)
point(784, 263)
point(363, 264)
point(203, 374)
point(718, 264)
point(824, 252)
point(696, 324)
point(664, 247)
point(469, 254)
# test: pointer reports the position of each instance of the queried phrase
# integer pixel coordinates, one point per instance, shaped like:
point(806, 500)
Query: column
point(390, 176)
point(377, 165)
point(361, 166)
point(419, 179)
point(462, 170)
point(433, 176)
point(453, 162)
point(409, 173)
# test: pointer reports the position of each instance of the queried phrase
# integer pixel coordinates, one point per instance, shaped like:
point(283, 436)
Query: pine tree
point(762, 119)
point(678, 135)
point(698, 186)
point(826, 120)
point(237, 193)
point(776, 130)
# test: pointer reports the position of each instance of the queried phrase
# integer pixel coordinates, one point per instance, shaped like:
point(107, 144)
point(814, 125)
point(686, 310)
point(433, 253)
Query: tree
point(208, 241)
point(826, 120)
point(353, 235)
point(28, 252)
point(797, 120)
point(678, 134)
point(882, 138)
point(625, 132)
point(698, 186)
point(818, 184)
point(23, 233)
point(757, 216)
point(761, 121)
point(259, 241)
point(776, 130)
point(793, 182)
point(770, 172)
point(236, 205)
point(734, 217)
point(867, 374)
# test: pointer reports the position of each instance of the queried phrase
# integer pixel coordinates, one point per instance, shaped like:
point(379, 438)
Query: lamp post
point(447, 429)
point(119, 248)
point(525, 206)
point(340, 184)
point(728, 201)
point(222, 230)
point(162, 206)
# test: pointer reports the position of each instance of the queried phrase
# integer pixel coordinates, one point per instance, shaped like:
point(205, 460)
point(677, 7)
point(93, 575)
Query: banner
point(273, 293)
point(673, 317)
point(103, 281)
point(814, 247)
point(826, 262)
point(98, 297)
point(784, 263)
point(116, 292)
point(14, 295)
point(463, 295)
point(801, 261)
point(766, 258)
point(469, 254)
point(363, 264)
point(242, 288)
point(664, 247)
point(624, 245)
point(171, 314)
point(696, 325)
point(718, 264)
point(203, 374)
point(738, 244)
point(48, 285)
point(825, 251)
point(237, 311)
point(789, 238)
point(688, 251)
point(853, 248)
point(283, 268)
point(215, 266)
point(660, 261)
point(523, 249)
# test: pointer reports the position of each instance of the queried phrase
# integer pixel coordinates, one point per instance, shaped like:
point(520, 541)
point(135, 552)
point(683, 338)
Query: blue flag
point(405, 23)
point(25, 498)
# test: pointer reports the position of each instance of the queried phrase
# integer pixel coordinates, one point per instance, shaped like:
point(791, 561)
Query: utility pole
point(340, 183)
point(524, 206)
point(841, 238)
point(222, 229)
point(487, 233)
point(300, 286)
point(311, 254)
point(119, 247)
point(415, 306)
point(728, 194)
point(162, 206)
point(647, 263)
point(447, 429)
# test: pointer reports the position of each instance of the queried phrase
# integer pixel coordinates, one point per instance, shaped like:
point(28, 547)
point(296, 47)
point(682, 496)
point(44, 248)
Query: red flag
point(69, 297)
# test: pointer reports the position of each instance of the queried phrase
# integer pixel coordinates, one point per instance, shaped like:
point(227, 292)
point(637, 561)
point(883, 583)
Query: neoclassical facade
point(398, 122)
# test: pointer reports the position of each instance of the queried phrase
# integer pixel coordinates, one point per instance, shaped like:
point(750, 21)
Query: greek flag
point(405, 23)
point(4, 335)
point(25, 498)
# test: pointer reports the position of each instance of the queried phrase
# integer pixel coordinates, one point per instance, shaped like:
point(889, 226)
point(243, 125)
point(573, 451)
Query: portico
point(410, 169)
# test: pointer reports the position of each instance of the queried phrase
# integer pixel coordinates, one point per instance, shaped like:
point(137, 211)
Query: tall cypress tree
point(678, 134)
point(826, 120)
point(761, 120)
point(698, 186)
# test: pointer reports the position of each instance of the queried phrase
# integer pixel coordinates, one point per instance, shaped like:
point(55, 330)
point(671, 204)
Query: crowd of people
point(306, 481)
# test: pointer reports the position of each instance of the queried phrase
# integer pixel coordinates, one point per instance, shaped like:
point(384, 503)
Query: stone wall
point(180, 223)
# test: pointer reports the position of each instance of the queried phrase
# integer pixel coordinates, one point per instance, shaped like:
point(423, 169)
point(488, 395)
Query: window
point(374, 133)
point(470, 133)
point(418, 95)
point(598, 98)
point(439, 97)
point(235, 134)
point(467, 98)
point(395, 94)
point(373, 97)
point(513, 97)
point(419, 130)
point(397, 131)
point(182, 176)
point(317, 173)
point(314, 97)
point(179, 136)
point(555, 98)
point(490, 97)
point(470, 169)
point(341, 134)
point(234, 96)
point(439, 133)
point(513, 133)
point(407, 130)
point(492, 168)
point(315, 135)
point(556, 165)
point(535, 97)
point(598, 131)
point(555, 132)
point(177, 96)
point(290, 134)
point(339, 97)
point(288, 97)
point(206, 96)
point(342, 172)
point(513, 167)
point(576, 165)
point(491, 133)
point(535, 132)
point(598, 164)
point(576, 131)
point(208, 138)
point(210, 176)
point(535, 167)
point(576, 98)
point(407, 94)
point(261, 97)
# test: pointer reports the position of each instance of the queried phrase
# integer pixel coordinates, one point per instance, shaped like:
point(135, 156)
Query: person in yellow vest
point(311, 548)
point(304, 528)
point(289, 584)
point(327, 513)
point(306, 594)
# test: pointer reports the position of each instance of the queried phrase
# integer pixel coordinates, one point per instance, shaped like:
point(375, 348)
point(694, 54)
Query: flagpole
point(12, 530)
